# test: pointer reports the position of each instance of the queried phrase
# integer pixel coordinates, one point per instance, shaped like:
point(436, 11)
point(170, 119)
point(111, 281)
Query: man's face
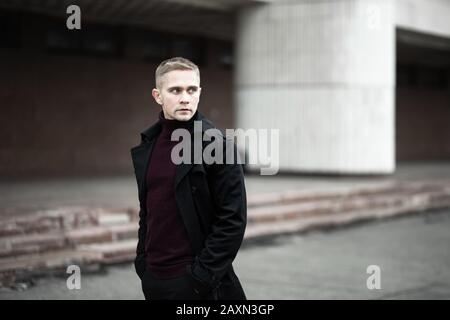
point(179, 94)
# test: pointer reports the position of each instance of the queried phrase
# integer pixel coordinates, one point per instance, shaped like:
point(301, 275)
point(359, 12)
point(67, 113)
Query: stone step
point(315, 222)
point(102, 234)
point(289, 196)
point(120, 250)
point(39, 243)
point(116, 228)
point(84, 256)
point(22, 268)
point(115, 252)
point(292, 196)
point(106, 253)
point(271, 213)
point(113, 219)
point(101, 237)
point(64, 219)
point(30, 244)
point(124, 250)
point(51, 259)
point(67, 218)
point(110, 232)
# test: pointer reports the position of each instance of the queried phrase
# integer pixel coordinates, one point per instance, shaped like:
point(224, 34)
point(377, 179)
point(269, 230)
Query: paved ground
point(411, 251)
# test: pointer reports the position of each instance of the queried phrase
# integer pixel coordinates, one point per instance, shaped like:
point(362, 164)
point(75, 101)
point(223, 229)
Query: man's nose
point(185, 98)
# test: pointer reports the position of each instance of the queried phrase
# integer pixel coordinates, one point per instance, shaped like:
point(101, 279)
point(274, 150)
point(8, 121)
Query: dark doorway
point(422, 97)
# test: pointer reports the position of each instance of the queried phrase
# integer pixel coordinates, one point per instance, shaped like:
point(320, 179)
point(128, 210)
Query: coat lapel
point(183, 169)
point(141, 156)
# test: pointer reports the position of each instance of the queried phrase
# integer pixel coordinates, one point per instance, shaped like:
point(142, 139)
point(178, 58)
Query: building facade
point(353, 86)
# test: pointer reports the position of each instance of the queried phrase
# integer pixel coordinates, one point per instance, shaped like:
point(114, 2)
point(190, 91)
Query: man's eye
point(175, 91)
point(192, 90)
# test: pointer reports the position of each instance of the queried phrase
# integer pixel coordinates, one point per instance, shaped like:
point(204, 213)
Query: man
point(192, 215)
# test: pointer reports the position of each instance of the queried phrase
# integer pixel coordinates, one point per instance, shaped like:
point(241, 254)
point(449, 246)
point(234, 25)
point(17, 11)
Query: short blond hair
point(176, 63)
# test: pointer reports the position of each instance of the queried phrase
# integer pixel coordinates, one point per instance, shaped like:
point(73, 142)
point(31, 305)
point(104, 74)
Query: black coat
point(211, 200)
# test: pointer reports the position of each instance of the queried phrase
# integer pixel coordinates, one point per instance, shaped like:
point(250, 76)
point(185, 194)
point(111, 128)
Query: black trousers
point(180, 288)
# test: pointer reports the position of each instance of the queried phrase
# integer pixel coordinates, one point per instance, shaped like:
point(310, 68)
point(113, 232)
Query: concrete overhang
point(212, 18)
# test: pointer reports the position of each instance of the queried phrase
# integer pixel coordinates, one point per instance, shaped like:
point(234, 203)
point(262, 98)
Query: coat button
point(193, 189)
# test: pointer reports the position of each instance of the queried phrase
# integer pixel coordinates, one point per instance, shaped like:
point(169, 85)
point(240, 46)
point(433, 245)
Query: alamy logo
point(73, 281)
point(374, 280)
point(263, 148)
point(74, 20)
point(373, 17)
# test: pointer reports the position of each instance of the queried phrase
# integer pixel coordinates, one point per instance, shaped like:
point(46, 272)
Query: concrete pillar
point(322, 72)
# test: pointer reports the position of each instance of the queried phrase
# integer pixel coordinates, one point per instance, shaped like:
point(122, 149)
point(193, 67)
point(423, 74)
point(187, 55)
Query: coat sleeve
point(227, 187)
point(139, 262)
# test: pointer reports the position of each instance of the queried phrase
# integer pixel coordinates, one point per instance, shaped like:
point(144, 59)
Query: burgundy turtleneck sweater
point(167, 245)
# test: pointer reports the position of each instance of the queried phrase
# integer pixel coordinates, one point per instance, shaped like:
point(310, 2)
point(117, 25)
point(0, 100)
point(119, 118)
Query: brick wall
point(422, 124)
point(76, 115)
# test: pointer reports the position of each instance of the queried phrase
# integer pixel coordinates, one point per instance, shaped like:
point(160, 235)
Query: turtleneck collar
point(168, 126)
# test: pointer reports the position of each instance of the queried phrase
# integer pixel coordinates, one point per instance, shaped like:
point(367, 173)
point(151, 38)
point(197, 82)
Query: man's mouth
point(184, 110)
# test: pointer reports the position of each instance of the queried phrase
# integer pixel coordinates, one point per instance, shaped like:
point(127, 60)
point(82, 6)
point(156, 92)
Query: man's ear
point(157, 96)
